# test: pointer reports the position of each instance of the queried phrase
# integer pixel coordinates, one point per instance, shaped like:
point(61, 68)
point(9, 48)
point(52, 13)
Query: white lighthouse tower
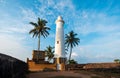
point(60, 58)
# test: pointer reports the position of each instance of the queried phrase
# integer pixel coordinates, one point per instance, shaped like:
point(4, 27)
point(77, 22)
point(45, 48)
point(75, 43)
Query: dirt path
point(54, 74)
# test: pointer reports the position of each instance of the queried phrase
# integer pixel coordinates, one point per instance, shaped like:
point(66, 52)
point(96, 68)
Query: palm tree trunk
point(70, 53)
point(38, 48)
point(39, 42)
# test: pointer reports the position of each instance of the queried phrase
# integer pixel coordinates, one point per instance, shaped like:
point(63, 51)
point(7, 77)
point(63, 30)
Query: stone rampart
point(40, 67)
point(101, 65)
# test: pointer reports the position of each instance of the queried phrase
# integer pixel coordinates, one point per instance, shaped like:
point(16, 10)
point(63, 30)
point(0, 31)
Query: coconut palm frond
point(71, 41)
point(39, 30)
point(49, 52)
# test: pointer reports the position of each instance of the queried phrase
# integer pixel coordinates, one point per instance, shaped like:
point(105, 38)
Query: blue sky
point(95, 21)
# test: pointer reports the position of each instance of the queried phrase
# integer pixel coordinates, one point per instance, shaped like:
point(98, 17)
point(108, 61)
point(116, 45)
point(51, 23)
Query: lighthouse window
point(57, 42)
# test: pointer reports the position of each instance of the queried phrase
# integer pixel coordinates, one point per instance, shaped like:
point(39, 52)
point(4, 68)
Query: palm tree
point(71, 41)
point(49, 52)
point(40, 29)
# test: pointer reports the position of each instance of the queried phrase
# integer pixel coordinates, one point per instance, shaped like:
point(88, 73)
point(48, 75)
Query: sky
point(97, 23)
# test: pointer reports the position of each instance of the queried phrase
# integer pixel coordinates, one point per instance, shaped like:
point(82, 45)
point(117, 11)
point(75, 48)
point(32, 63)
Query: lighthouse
point(60, 58)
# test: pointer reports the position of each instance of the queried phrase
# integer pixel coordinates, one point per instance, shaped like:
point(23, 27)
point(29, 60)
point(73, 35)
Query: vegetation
point(71, 41)
point(117, 60)
point(72, 61)
point(49, 52)
point(40, 29)
point(66, 49)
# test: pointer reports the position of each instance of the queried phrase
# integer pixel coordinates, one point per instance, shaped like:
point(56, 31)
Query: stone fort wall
point(92, 66)
point(101, 65)
point(40, 67)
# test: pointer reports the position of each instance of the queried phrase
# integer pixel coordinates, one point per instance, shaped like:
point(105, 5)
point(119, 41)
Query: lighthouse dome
point(59, 19)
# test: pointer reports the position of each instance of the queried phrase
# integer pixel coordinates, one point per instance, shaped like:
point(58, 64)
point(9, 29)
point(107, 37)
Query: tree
point(40, 29)
point(117, 60)
point(66, 50)
point(72, 61)
point(49, 52)
point(71, 41)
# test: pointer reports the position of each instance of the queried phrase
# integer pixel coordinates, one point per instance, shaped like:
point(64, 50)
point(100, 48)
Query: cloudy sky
point(97, 23)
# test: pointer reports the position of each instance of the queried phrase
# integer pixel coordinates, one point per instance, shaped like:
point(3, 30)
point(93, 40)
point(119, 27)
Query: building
point(60, 58)
point(38, 62)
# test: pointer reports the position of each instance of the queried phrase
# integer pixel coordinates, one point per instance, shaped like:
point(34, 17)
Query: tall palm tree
point(40, 29)
point(71, 41)
point(49, 52)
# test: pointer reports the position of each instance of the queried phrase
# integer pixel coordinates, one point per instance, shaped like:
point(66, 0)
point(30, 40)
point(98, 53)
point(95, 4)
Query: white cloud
point(74, 54)
point(14, 32)
point(15, 29)
point(104, 48)
point(10, 24)
point(28, 15)
point(85, 22)
point(50, 9)
point(101, 49)
point(94, 22)
point(11, 45)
